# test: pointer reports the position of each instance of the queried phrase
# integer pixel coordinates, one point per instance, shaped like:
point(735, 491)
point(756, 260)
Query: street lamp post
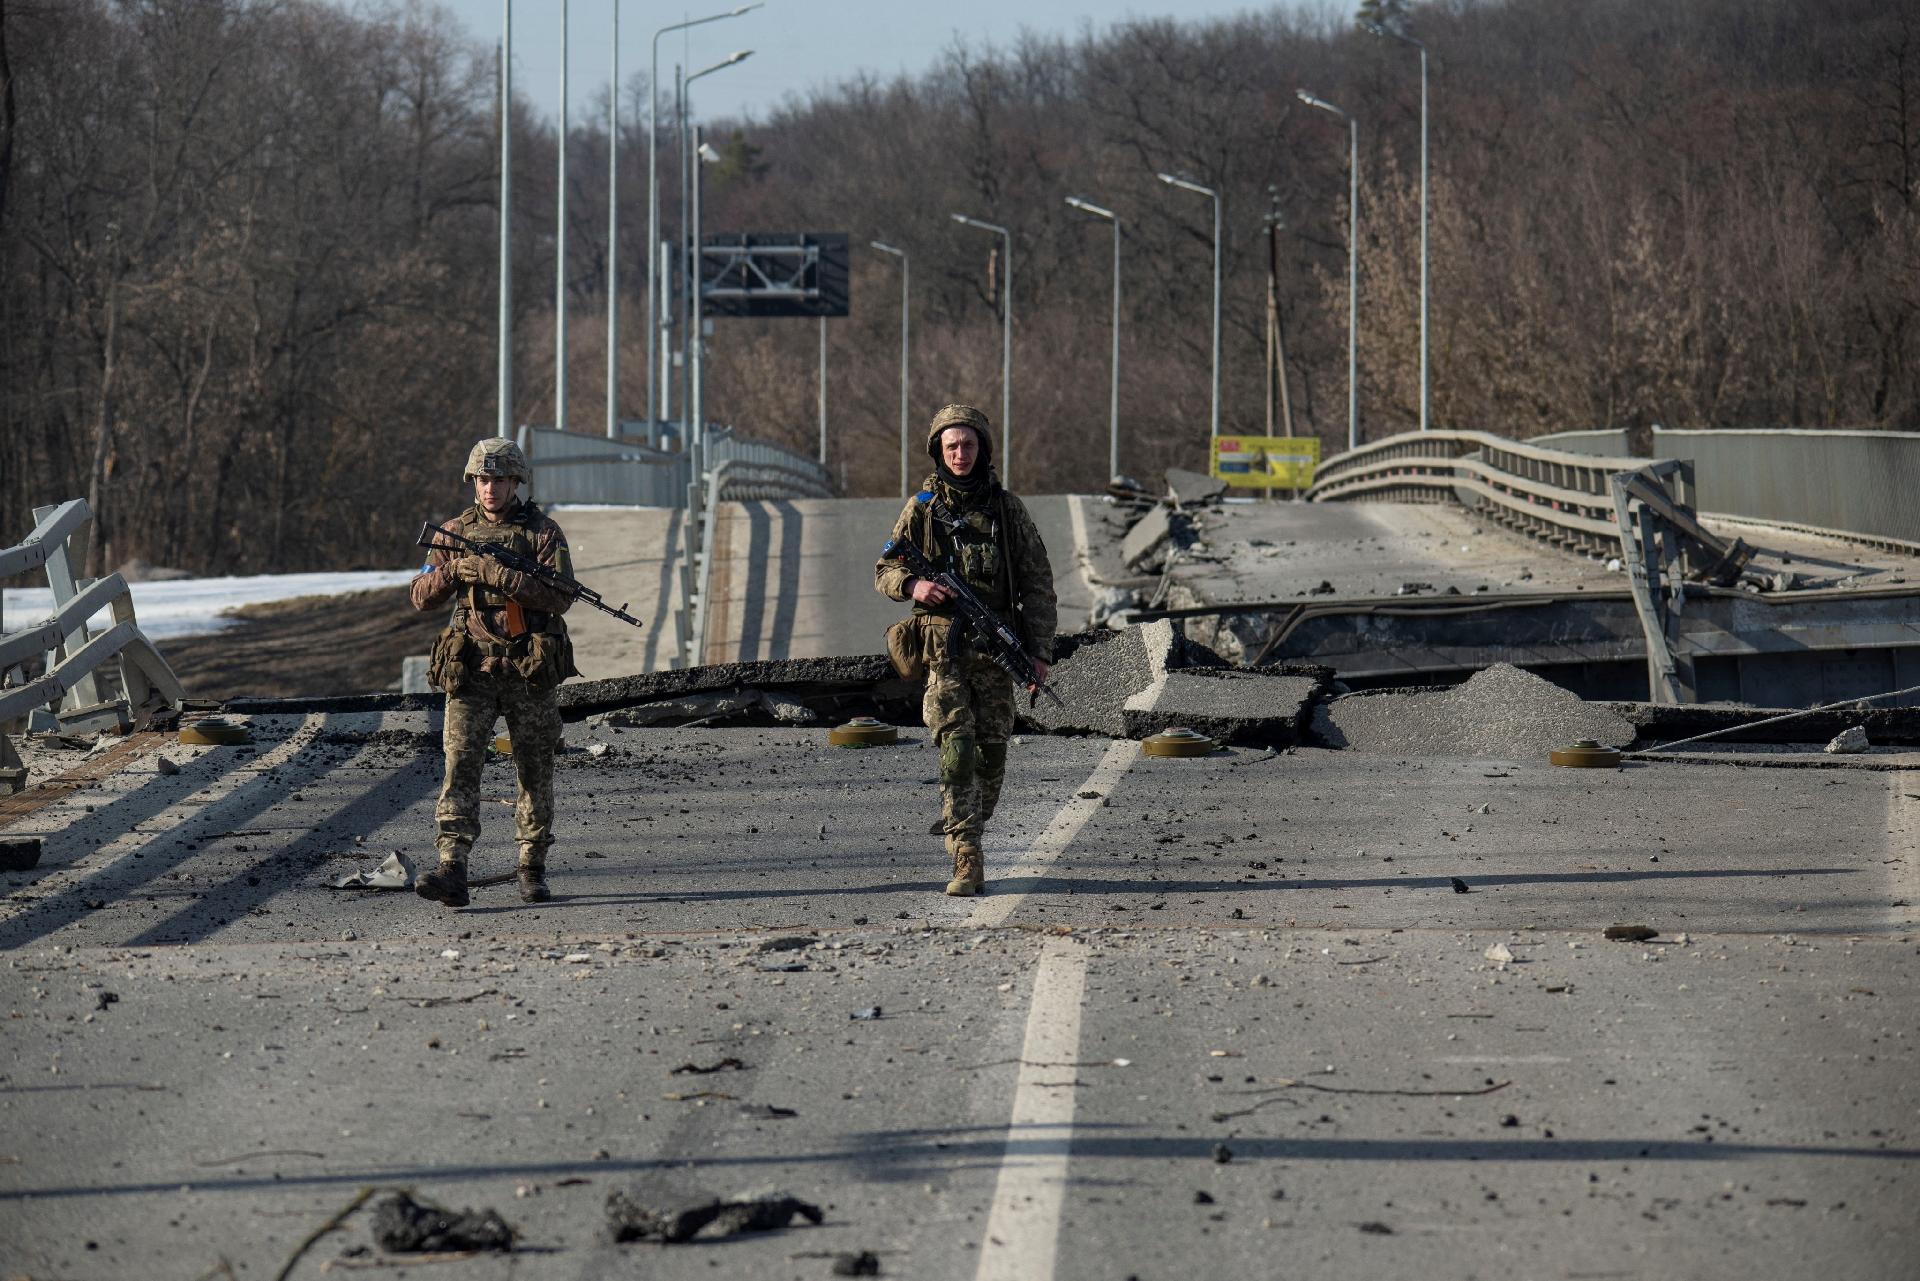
point(1353, 261)
point(1006, 343)
point(653, 187)
point(901, 254)
point(506, 218)
point(692, 426)
point(560, 250)
point(1426, 390)
point(1210, 193)
point(702, 154)
point(1113, 397)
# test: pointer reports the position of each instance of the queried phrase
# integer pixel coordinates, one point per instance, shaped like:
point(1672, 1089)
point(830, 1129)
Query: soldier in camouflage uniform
point(503, 653)
point(997, 551)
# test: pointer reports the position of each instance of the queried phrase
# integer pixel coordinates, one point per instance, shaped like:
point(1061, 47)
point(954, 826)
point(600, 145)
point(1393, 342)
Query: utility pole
point(1276, 342)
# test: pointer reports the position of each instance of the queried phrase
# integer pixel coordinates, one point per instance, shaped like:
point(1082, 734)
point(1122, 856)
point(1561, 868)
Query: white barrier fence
point(73, 656)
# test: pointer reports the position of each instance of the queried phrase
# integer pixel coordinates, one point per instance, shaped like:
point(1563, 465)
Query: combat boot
point(445, 884)
point(533, 884)
point(969, 870)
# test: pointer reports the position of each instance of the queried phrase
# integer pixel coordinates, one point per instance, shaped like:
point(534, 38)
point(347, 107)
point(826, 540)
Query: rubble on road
point(657, 1211)
point(402, 1225)
point(1501, 712)
point(1848, 741)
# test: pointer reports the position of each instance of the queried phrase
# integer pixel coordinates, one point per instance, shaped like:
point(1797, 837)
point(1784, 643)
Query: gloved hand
point(469, 570)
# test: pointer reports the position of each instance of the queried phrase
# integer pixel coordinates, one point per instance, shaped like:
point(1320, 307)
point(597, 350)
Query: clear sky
point(797, 44)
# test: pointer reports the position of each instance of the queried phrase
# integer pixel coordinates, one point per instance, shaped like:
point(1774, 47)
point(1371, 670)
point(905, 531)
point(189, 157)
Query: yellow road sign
point(1266, 462)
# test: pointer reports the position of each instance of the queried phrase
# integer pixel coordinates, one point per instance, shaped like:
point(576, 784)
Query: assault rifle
point(991, 635)
point(432, 535)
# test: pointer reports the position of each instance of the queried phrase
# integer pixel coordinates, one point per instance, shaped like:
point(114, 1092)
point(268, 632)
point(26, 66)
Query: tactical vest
point(477, 630)
point(975, 552)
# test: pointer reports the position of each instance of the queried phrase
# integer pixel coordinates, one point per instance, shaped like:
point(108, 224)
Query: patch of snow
point(194, 606)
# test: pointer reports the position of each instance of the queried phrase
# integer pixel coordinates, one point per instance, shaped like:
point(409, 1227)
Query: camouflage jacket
point(1025, 578)
point(482, 611)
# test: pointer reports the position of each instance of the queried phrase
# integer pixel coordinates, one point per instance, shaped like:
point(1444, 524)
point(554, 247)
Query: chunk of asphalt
point(657, 1211)
point(1191, 488)
point(1502, 713)
point(402, 1225)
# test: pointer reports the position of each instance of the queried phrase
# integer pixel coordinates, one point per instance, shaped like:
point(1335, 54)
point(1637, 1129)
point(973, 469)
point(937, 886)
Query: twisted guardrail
point(1554, 495)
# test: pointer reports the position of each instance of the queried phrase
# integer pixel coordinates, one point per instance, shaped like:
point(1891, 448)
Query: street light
point(1426, 398)
point(692, 425)
point(560, 250)
point(506, 218)
point(703, 154)
point(653, 188)
point(1113, 399)
point(901, 254)
point(1353, 260)
point(1006, 343)
point(1213, 195)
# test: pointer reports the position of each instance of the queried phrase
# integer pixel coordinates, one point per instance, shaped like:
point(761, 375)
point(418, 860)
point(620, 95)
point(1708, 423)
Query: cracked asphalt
point(1222, 1015)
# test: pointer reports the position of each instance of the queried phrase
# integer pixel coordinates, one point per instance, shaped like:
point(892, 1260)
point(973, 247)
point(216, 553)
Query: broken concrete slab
point(1136, 682)
point(1501, 713)
point(679, 711)
point(1191, 488)
point(1263, 706)
point(1146, 543)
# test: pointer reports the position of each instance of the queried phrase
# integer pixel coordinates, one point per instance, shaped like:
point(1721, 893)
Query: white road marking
point(1023, 1226)
point(1903, 843)
point(994, 909)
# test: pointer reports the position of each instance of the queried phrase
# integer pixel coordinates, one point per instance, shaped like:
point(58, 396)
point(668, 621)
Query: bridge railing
point(72, 655)
point(1553, 494)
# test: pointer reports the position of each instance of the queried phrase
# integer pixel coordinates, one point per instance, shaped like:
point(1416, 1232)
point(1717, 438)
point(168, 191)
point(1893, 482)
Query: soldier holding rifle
point(974, 545)
point(504, 652)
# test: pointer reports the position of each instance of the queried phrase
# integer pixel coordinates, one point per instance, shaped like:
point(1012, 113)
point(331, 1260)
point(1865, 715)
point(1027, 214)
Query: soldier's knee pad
point(993, 759)
point(958, 760)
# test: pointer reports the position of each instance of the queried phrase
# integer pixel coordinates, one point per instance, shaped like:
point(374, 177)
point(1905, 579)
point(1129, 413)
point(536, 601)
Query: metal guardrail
point(734, 480)
point(1859, 485)
point(73, 656)
point(571, 467)
point(1557, 496)
point(1599, 441)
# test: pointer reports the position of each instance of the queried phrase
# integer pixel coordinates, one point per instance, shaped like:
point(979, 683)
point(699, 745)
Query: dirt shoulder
point(307, 647)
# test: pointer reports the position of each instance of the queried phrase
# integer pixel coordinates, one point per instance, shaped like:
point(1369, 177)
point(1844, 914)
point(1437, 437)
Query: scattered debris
point(767, 1111)
point(694, 1069)
point(1203, 1198)
point(402, 1225)
point(19, 853)
point(1222, 1154)
point(867, 1015)
point(1631, 933)
point(1499, 953)
point(1848, 741)
point(1375, 1228)
point(864, 1264)
point(786, 943)
point(394, 873)
point(655, 1212)
point(1459, 886)
point(164, 766)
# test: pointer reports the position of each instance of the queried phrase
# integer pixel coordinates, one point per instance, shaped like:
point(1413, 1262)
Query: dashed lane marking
point(994, 908)
point(1903, 844)
point(1023, 1225)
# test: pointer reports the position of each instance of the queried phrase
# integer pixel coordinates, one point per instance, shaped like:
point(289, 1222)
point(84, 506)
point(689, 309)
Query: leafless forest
point(249, 248)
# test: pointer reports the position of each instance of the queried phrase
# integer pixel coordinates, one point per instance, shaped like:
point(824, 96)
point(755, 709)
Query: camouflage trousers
point(969, 710)
point(533, 726)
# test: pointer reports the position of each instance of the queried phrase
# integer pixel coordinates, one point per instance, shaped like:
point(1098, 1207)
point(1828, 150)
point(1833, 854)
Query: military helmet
point(497, 456)
point(961, 416)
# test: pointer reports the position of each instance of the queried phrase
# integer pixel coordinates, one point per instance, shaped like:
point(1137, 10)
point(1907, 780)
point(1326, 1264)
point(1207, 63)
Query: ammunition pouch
point(447, 663)
point(906, 648)
point(545, 660)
